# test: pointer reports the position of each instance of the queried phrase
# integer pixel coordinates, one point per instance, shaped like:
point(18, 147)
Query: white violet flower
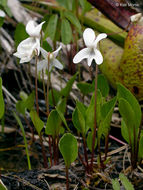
point(91, 52)
point(51, 57)
point(31, 46)
point(2, 13)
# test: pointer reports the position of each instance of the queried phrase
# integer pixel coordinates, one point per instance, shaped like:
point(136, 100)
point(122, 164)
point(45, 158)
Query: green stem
point(95, 126)
point(25, 141)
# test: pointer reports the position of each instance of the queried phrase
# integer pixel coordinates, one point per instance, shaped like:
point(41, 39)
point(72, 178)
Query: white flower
point(2, 13)
point(31, 46)
point(91, 52)
point(51, 57)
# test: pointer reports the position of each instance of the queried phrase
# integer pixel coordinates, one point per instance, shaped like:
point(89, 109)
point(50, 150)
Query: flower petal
point(89, 60)
point(56, 64)
point(89, 37)
point(32, 29)
point(26, 49)
point(37, 46)
point(42, 65)
point(99, 37)
point(26, 44)
point(55, 53)
point(82, 54)
point(44, 53)
point(25, 59)
point(2, 13)
point(98, 57)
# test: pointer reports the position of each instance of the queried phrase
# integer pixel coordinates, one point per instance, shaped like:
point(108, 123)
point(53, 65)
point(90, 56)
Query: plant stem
point(81, 159)
point(94, 132)
point(43, 152)
point(43, 81)
point(31, 129)
point(106, 146)
point(54, 150)
point(47, 104)
point(52, 93)
point(85, 153)
point(67, 178)
point(50, 150)
point(25, 140)
point(36, 85)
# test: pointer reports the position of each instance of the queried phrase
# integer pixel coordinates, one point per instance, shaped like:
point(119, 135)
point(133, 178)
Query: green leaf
point(89, 141)
point(51, 27)
point(66, 31)
point(37, 122)
point(75, 120)
point(124, 131)
point(68, 148)
point(60, 108)
point(20, 34)
point(56, 95)
point(23, 95)
point(73, 19)
point(63, 118)
point(115, 184)
point(20, 107)
point(86, 6)
point(67, 4)
point(106, 114)
point(53, 124)
point(78, 118)
point(47, 46)
point(85, 88)
point(127, 113)
point(81, 107)
point(140, 154)
point(103, 85)
point(66, 91)
point(2, 106)
point(126, 183)
point(130, 98)
point(27, 102)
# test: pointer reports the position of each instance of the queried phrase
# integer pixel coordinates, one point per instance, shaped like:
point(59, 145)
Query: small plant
point(69, 150)
point(131, 123)
point(91, 53)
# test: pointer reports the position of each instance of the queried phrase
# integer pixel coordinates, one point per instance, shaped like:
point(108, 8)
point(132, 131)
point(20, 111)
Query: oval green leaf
point(68, 148)
point(66, 32)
